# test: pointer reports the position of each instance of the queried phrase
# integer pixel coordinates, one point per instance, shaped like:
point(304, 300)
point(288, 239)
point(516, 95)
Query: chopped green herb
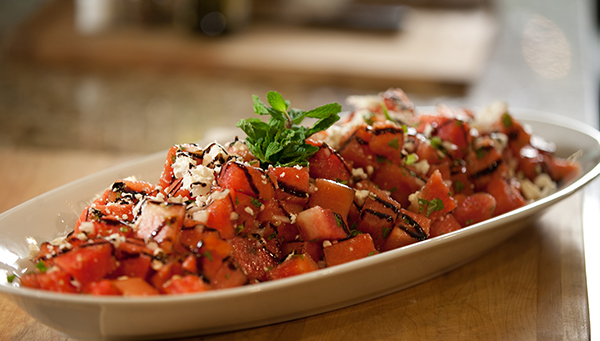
point(386, 113)
point(300, 255)
point(270, 268)
point(436, 142)
point(405, 128)
point(11, 278)
point(227, 275)
point(381, 159)
point(282, 140)
point(208, 255)
point(469, 222)
point(338, 220)
point(507, 120)
point(430, 206)
point(394, 143)
point(385, 231)
point(481, 153)
point(124, 229)
point(393, 190)
point(239, 229)
point(41, 267)
point(343, 182)
point(410, 159)
point(256, 202)
point(368, 119)
point(272, 235)
point(237, 201)
point(371, 253)
point(458, 186)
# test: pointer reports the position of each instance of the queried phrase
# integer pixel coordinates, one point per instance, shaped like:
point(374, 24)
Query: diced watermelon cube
point(319, 224)
point(357, 247)
point(88, 263)
point(296, 265)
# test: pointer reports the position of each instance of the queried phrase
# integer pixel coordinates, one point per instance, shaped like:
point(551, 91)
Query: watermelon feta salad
point(290, 199)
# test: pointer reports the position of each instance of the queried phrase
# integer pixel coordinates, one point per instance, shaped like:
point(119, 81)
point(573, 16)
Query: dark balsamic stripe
point(379, 215)
point(291, 190)
point(488, 170)
point(418, 232)
point(388, 130)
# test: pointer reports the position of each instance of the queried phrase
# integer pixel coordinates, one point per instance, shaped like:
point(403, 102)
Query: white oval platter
point(54, 213)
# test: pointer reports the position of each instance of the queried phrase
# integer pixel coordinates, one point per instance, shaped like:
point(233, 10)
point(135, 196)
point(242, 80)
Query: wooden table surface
point(532, 286)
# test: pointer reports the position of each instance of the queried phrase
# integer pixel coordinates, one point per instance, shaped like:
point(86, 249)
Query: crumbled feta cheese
point(326, 243)
point(214, 154)
point(359, 173)
point(249, 210)
point(181, 165)
point(87, 227)
point(421, 166)
point(198, 180)
point(220, 195)
point(486, 119)
point(361, 196)
point(33, 247)
point(156, 264)
point(201, 216)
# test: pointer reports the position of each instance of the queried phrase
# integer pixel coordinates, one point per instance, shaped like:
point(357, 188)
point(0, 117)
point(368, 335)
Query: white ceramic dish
point(55, 212)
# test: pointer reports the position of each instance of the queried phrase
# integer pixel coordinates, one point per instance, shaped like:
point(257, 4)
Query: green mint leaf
point(323, 124)
point(259, 107)
point(507, 120)
point(410, 159)
point(41, 267)
point(436, 142)
point(256, 202)
point(430, 206)
point(386, 113)
point(458, 186)
point(281, 141)
point(394, 143)
point(276, 101)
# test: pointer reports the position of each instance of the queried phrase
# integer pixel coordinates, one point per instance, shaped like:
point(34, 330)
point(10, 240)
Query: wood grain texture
point(530, 287)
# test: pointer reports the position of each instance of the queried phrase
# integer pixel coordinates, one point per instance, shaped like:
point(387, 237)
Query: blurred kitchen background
point(136, 76)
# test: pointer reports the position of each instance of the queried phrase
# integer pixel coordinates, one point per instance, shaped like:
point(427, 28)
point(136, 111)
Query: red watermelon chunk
point(357, 247)
point(319, 224)
point(88, 263)
point(296, 265)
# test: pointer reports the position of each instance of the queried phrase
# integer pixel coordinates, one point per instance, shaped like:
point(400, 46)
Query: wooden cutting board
point(434, 46)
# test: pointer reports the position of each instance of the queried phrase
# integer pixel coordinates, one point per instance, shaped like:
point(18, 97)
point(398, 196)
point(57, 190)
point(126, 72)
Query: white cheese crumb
point(220, 195)
point(249, 210)
point(201, 216)
point(359, 173)
point(33, 247)
point(421, 166)
point(87, 227)
point(198, 180)
point(182, 165)
point(361, 196)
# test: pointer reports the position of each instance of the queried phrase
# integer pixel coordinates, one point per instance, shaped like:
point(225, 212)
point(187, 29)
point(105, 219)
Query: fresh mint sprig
point(281, 141)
